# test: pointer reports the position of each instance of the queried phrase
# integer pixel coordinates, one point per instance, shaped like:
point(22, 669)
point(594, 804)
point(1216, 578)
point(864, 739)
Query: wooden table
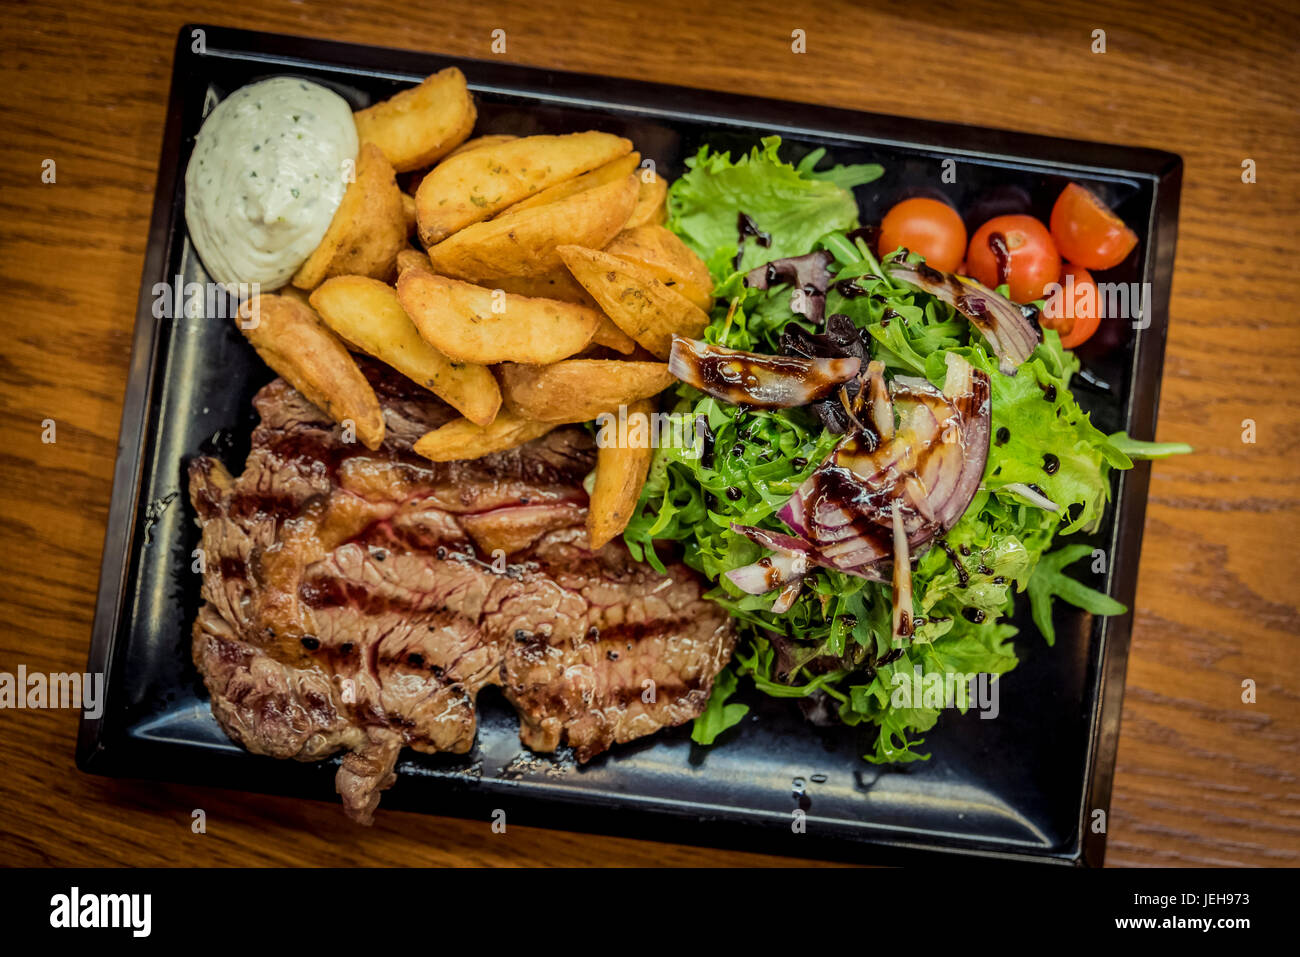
point(1202, 777)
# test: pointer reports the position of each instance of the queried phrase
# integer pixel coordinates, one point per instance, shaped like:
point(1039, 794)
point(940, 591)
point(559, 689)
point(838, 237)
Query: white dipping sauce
point(267, 174)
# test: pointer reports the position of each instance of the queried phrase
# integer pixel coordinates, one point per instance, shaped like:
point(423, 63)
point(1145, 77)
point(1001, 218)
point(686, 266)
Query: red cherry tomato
point(925, 226)
point(1087, 232)
point(1074, 310)
point(1025, 258)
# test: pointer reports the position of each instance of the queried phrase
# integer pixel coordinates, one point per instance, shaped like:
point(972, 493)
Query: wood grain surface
point(1202, 777)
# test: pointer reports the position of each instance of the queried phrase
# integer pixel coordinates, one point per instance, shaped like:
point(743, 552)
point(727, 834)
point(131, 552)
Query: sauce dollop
point(269, 169)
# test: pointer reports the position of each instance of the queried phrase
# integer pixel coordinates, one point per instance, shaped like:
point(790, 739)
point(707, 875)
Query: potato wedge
point(469, 323)
point(482, 182)
point(297, 295)
point(412, 259)
point(408, 213)
point(640, 305)
point(578, 390)
point(293, 341)
point(462, 439)
point(612, 337)
point(610, 172)
point(416, 127)
point(559, 284)
point(367, 314)
point(488, 139)
point(651, 203)
point(524, 244)
point(367, 230)
point(620, 475)
point(668, 259)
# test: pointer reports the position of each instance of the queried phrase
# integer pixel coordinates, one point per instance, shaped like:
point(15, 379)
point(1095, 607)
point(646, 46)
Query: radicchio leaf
point(841, 339)
point(810, 275)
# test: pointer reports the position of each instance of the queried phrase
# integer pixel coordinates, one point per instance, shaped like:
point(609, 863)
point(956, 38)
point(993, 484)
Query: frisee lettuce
point(1050, 581)
point(833, 645)
point(717, 715)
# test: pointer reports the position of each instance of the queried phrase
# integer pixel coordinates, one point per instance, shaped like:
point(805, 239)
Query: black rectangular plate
point(1023, 787)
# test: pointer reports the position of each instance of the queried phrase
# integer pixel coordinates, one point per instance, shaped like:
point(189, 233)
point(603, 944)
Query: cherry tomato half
point(1087, 232)
point(925, 226)
point(1025, 257)
point(1074, 310)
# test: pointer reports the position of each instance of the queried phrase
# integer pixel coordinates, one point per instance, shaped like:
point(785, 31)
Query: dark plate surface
point(1024, 786)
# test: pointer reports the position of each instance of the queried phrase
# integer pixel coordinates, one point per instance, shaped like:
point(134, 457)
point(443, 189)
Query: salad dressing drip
point(963, 576)
point(850, 289)
point(747, 228)
point(1001, 254)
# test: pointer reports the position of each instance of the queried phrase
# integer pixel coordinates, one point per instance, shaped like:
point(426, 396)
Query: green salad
point(1047, 472)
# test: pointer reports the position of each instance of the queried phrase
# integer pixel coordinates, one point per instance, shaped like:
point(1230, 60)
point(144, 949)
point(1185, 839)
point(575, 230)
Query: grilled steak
point(357, 601)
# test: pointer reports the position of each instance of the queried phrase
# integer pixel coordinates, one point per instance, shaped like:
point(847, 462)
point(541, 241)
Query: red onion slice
point(1030, 495)
point(967, 388)
point(884, 491)
point(999, 319)
point(846, 514)
point(882, 409)
point(786, 599)
point(770, 571)
point(779, 542)
point(750, 378)
point(902, 618)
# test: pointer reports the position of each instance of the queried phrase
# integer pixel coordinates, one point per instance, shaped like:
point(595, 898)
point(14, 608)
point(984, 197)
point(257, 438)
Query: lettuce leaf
point(793, 205)
point(1041, 437)
point(718, 716)
point(1049, 581)
point(1138, 449)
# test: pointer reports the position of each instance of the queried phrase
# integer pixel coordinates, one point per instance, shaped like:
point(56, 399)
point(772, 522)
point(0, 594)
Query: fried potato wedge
point(416, 127)
point(296, 294)
point(524, 243)
point(668, 259)
point(367, 230)
point(479, 183)
point(557, 284)
point(609, 173)
point(462, 439)
point(640, 305)
point(620, 475)
point(488, 139)
point(408, 213)
point(412, 259)
point(651, 203)
point(578, 390)
point(367, 314)
point(612, 337)
point(292, 340)
point(562, 286)
point(469, 323)
point(416, 177)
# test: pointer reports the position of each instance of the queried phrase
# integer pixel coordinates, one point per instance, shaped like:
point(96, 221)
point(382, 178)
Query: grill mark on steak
point(351, 603)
